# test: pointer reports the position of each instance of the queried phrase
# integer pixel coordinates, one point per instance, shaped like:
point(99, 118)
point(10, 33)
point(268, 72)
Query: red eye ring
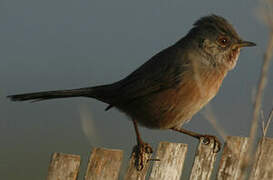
point(223, 41)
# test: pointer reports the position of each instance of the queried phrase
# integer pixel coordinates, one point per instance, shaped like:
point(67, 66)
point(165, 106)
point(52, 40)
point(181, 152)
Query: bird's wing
point(161, 72)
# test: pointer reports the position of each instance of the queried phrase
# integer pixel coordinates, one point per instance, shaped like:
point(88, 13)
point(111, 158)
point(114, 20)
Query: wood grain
point(263, 166)
point(203, 162)
point(104, 164)
point(132, 173)
point(172, 157)
point(63, 167)
point(230, 167)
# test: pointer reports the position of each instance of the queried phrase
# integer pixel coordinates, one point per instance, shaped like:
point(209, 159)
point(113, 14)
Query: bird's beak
point(245, 44)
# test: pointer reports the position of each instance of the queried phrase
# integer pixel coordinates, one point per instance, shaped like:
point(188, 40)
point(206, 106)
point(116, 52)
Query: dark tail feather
point(45, 95)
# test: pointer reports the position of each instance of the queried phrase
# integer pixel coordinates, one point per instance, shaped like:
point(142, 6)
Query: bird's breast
point(175, 106)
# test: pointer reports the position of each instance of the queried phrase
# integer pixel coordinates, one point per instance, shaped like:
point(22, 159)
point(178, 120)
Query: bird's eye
point(223, 41)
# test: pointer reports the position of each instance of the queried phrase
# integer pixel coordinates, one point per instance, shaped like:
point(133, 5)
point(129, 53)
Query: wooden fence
point(105, 163)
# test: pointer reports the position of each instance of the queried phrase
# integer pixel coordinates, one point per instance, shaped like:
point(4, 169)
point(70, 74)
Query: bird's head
point(218, 40)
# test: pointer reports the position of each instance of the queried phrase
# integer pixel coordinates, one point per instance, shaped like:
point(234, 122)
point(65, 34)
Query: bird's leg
point(205, 138)
point(141, 150)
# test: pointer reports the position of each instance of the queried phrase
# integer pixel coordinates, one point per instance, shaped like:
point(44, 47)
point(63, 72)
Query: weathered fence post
point(263, 166)
point(63, 167)
point(104, 164)
point(132, 173)
point(232, 158)
point(203, 162)
point(172, 156)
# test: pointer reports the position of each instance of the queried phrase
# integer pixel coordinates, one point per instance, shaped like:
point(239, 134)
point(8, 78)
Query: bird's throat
point(232, 58)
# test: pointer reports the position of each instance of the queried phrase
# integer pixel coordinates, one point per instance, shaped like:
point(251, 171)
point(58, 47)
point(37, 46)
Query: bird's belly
point(176, 110)
point(172, 107)
point(169, 108)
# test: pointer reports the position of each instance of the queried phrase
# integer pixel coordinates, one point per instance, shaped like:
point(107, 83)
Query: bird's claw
point(141, 154)
point(208, 139)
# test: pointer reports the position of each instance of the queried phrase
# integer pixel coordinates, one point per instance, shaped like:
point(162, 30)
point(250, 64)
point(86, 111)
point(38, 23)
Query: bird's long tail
point(45, 95)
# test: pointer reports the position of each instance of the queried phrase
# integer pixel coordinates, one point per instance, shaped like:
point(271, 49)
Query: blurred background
point(50, 45)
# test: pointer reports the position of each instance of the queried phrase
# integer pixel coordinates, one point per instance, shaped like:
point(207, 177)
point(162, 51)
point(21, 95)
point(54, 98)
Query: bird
point(172, 86)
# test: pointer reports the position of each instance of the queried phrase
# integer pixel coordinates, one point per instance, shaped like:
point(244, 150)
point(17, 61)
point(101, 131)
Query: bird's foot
point(208, 139)
point(141, 153)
